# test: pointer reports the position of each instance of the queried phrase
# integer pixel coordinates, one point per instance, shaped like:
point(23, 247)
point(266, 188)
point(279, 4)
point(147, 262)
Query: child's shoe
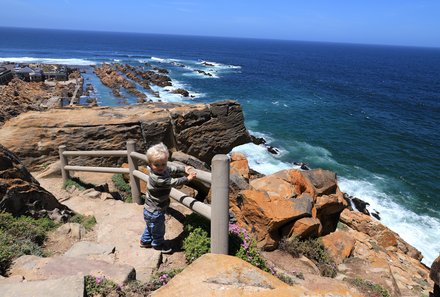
point(144, 244)
point(164, 249)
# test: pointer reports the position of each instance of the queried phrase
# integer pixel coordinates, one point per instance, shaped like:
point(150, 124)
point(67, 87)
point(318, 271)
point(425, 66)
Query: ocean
point(370, 113)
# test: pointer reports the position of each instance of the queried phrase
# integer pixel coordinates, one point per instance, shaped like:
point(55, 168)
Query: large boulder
point(288, 203)
point(230, 276)
point(201, 130)
point(21, 194)
point(265, 215)
point(434, 274)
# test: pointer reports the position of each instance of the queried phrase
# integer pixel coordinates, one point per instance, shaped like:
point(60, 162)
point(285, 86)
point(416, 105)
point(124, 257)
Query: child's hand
point(191, 175)
point(191, 172)
point(189, 169)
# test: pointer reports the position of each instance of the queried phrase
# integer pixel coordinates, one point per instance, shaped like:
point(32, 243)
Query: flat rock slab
point(84, 249)
point(120, 225)
point(37, 268)
point(72, 286)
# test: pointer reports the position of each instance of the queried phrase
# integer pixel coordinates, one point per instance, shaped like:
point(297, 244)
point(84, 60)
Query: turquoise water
point(369, 113)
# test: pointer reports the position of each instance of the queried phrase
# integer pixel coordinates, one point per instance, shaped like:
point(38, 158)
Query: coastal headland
point(287, 204)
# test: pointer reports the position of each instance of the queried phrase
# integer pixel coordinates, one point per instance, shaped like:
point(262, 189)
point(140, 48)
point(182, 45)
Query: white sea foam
point(194, 73)
point(165, 60)
point(420, 231)
point(218, 65)
point(161, 60)
point(179, 85)
point(260, 159)
point(71, 61)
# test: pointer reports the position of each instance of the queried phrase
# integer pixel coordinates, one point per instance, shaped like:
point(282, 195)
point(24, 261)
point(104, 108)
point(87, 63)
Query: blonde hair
point(157, 152)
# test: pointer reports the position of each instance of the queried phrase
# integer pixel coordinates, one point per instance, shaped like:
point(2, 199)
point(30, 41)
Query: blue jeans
point(155, 227)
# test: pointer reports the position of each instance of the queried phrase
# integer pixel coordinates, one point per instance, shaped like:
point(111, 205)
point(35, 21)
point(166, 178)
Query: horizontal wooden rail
point(139, 156)
point(203, 176)
point(96, 153)
point(191, 203)
point(97, 169)
point(218, 180)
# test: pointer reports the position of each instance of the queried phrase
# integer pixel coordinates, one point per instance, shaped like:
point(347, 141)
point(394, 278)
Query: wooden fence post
point(132, 166)
point(220, 205)
point(63, 159)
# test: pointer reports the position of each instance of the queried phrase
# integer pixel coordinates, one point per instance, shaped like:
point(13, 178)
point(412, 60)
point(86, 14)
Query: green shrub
point(285, 278)
point(120, 184)
point(368, 288)
point(73, 183)
point(314, 250)
point(194, 221)
point(196, 244)
point(7, 251)
point(243, 246)
point(21, 236)
point(100, 286)
point(160, 279)
point(123, 188)
point(88, 222)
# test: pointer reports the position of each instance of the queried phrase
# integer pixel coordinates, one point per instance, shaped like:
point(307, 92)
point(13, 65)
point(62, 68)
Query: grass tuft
point(88, 222)
point(21, 236)
point(312, 249)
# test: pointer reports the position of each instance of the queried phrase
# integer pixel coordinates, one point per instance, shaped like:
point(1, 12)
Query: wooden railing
point(217, 212)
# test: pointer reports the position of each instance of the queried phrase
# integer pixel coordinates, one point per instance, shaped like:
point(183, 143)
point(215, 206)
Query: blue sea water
point(369, 113)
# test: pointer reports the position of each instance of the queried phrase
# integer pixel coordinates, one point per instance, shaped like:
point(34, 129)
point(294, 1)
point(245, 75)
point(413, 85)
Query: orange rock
point(383, 235)
point(339, 244)
point(239, 165)
point(305, 228)
point(296, 178)
point(275, 187)
point(264, 214)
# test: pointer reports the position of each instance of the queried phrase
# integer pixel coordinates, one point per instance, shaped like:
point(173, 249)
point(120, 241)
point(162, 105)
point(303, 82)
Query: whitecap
point(157, 59)
point(260, 159)
point(218, 65)
point(71, 61)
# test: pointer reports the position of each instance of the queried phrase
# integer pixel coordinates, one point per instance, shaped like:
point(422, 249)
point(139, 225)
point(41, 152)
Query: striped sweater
point(159, 187)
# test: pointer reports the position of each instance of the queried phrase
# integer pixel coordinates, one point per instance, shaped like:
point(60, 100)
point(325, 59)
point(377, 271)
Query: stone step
point(38, 268)
point(71, 286)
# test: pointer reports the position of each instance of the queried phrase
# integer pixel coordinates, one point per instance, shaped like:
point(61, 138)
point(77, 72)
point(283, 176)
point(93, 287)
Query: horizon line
point(227, 37)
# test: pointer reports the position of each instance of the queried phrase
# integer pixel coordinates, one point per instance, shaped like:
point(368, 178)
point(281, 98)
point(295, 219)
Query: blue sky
point(403, 22)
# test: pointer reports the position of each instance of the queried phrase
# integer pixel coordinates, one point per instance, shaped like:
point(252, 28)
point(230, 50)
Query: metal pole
point(132, 165)
point(220, 205)
point(63, 159)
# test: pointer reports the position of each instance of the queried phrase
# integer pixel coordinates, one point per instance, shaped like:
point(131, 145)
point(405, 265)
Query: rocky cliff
point(201, 130)
point(308, 204)
point(21, 194)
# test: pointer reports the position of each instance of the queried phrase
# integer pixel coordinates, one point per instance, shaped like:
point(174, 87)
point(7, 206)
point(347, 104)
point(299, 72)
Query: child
point(157, 197)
